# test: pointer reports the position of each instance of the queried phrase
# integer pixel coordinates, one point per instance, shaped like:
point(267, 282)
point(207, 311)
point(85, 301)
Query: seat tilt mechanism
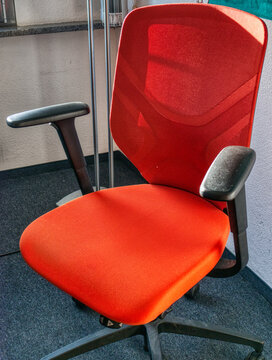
point(116, 325)
point(109, 323)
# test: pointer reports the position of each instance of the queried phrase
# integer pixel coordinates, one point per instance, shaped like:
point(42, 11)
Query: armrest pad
point(228, 173)
point(48, 114)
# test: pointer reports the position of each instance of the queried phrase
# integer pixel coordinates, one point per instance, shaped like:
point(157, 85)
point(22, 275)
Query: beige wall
point(41, 70)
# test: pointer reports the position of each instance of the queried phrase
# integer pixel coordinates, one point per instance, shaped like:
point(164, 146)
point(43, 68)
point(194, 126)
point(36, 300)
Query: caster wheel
point(255, 356)
point(79, 304)
point(193, 293)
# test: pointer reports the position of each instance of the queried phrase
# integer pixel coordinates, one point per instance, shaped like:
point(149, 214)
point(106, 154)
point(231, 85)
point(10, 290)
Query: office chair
point(182, 110)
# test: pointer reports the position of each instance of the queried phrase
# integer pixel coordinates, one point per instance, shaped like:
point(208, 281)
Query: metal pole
point(124, 8)
point(93, 91)
point(108, 83)
point(3, 5)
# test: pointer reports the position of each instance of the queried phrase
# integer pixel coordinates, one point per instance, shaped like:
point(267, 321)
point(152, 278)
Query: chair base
point(151, 333)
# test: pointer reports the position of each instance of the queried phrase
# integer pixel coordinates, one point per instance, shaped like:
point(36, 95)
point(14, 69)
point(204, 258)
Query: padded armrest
point(227, 174)
point(62, 118)
point(48, 114)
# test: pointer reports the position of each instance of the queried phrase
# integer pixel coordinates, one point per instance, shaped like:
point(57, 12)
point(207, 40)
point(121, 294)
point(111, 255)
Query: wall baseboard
point(59, 165)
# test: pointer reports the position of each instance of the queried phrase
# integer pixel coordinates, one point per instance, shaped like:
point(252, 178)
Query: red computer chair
point(182, 109)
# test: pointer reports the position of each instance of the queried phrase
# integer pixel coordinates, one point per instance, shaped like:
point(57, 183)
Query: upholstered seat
point(129, 252)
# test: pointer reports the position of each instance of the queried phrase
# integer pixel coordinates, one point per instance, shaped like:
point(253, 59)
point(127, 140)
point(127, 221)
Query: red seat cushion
point(128, 252)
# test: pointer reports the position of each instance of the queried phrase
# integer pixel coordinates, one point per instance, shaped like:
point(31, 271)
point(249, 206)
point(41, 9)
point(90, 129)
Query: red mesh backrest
point(185, 87)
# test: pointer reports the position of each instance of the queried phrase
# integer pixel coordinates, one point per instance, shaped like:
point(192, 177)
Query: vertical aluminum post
point(4, 12)
point(93, 91)
point(108, 83)
point(124, 8)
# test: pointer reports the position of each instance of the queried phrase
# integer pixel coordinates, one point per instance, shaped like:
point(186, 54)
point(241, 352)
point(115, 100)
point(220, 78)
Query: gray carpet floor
point(37, 318)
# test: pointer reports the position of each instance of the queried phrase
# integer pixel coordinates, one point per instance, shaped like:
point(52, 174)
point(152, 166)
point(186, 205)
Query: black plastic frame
point(70, 142)
point(238, 224)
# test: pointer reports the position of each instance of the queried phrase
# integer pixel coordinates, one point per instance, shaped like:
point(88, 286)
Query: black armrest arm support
point(62, 118)
point(225, 181)
point(238, 225)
